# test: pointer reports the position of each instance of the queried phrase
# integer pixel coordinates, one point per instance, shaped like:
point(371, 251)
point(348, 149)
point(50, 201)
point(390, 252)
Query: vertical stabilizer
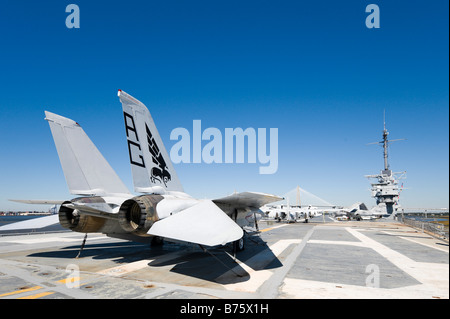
point(85, 169)
point(152, 169)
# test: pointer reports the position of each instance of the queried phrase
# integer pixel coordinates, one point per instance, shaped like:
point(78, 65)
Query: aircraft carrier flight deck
point(319, 259)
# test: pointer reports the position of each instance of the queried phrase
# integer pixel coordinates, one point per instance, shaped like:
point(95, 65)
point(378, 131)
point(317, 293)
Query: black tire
point(240, 244)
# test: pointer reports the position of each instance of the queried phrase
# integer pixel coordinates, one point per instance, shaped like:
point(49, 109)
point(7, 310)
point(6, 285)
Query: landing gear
point(239, 245)
point(82, 246)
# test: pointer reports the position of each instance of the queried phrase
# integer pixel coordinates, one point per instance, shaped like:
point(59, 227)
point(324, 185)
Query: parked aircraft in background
point(357, 211)
point(292, 213)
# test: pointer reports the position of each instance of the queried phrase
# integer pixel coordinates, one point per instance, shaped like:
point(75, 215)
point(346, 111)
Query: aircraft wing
point(247, 199)
point(33, 223)
point(204, 223)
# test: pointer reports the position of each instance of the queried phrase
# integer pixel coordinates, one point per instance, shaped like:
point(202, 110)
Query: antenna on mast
point(385, 143)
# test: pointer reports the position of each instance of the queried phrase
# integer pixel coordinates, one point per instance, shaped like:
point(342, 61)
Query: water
point(423, 219)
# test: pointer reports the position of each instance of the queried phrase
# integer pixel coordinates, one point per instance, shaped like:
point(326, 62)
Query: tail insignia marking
point(160, 174)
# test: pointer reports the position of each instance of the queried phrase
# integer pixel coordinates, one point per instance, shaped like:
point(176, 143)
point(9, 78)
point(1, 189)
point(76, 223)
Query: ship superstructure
point(386, 190)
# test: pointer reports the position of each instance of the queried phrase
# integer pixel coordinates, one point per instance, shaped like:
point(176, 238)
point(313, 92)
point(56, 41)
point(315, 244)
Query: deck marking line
point(251, 266)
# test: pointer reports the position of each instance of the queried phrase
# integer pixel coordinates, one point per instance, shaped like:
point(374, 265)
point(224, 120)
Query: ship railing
point(431, 226)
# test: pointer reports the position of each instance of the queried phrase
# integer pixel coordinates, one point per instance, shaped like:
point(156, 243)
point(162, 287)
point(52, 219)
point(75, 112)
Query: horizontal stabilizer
point(248, 199)
point(40, 222)
point(38, 201)
point(203, 223)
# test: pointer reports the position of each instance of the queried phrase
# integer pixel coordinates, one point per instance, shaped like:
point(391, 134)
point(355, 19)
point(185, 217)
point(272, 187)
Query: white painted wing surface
point(203, 223)
point(85, 169)
point(33, 223)
point(248, 199)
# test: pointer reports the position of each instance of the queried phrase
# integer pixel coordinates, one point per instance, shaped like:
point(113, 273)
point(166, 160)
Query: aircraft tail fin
point(85, 169)
point(152, 169)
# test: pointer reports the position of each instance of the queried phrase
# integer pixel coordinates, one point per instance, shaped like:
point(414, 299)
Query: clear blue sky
point(309, 68)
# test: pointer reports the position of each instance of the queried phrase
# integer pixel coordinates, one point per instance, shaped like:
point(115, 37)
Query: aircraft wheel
point(240, 244)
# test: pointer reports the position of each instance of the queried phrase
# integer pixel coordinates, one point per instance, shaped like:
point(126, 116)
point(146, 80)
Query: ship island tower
point(385, 190)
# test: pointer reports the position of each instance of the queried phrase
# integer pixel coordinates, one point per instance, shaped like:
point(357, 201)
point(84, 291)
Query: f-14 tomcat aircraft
point(162, 211)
